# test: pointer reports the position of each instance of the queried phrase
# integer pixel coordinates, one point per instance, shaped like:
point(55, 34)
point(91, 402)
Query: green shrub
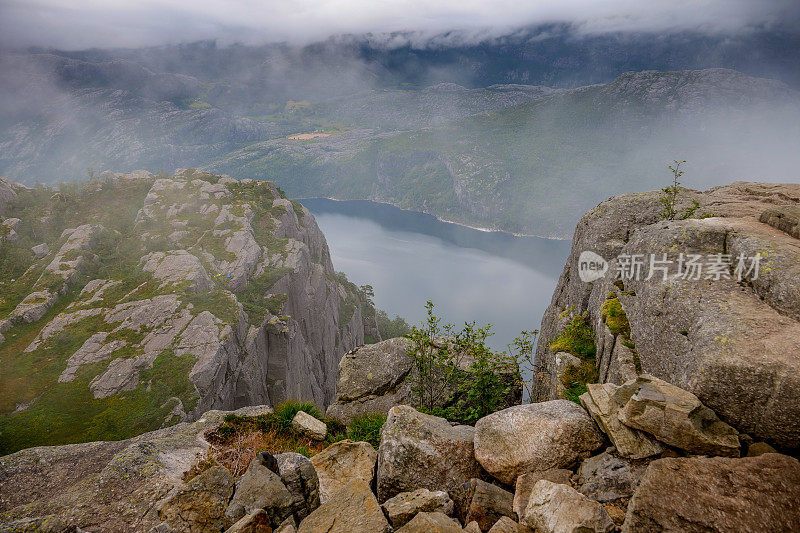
point(456, 371)
point(367, 428)
point(575, 378)
point(576, 337)
point(614, 316)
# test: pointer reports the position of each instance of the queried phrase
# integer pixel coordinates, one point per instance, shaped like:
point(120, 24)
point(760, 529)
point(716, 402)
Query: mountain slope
point(535, 166)
point(161, 298)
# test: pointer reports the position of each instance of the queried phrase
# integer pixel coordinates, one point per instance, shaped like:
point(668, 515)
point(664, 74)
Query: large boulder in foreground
point(351, 509)
point(423, 451)
point(736, 346)
point(678, 418)
point(536, 436)
point(342, 462)
point(555, 508)
point(752, 494)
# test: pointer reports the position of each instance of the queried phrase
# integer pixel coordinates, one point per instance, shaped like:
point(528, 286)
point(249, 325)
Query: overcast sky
point(73, 24)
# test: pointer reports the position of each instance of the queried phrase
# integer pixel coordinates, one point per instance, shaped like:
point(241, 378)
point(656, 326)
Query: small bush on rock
point(456, 375)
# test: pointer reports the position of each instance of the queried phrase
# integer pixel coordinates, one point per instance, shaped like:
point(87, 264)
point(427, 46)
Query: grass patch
point(254, 298)
point(575, 378)
point(614, 316)
point(577, 338)
point(285, 412)
point(68, 412)
point(367, 428)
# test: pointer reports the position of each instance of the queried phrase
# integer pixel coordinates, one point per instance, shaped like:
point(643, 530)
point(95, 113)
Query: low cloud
point(80, 24)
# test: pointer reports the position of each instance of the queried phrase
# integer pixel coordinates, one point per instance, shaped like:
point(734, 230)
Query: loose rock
point(604, 402)
point(423, 451)
point(677, 417)
point(526, 482)
point(353, 508)
point(535, 436)
point(308, 426)
point(404, 506)
point(342, 462)
point(555, 508)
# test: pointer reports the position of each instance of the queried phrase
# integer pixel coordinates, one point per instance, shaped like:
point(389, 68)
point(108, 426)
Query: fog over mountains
point(522, 132)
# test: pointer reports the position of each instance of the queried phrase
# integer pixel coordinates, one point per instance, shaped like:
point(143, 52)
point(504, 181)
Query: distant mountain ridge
point(520, 158)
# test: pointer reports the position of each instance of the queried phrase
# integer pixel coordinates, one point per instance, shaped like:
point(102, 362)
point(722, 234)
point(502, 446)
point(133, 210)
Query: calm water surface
point(489, 277)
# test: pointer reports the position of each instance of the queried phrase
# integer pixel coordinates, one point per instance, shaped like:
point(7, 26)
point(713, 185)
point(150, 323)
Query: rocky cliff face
point(732, 337)
point(164, 298)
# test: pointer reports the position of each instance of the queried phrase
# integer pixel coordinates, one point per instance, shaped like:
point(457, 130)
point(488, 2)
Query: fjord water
point(408, 257)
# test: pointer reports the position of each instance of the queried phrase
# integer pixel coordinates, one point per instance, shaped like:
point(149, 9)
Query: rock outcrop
point(734, 344)
point(717, 494)
point(214, 294)
point(423, 451)
point(117, 486)
point(376, 377)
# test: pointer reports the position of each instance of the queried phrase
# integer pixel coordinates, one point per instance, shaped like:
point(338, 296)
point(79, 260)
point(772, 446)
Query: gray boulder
point(404, 506)
point(199, 506)
point(353, 508)
point(261, 488)
point(607, 476)
point(300, 478)
point(554, 508)
point(372, 379)
point(308, 426)
point(526, 482)
point(40, 250)
point(423, 451)
point(678, 418)
point(342, 462)
point(537, 436)
point(701, 494)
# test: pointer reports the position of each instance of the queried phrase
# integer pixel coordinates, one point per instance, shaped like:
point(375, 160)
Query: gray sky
point(73, 24)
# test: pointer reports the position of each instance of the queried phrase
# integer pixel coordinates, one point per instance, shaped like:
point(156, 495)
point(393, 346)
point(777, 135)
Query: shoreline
point(440, 219)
